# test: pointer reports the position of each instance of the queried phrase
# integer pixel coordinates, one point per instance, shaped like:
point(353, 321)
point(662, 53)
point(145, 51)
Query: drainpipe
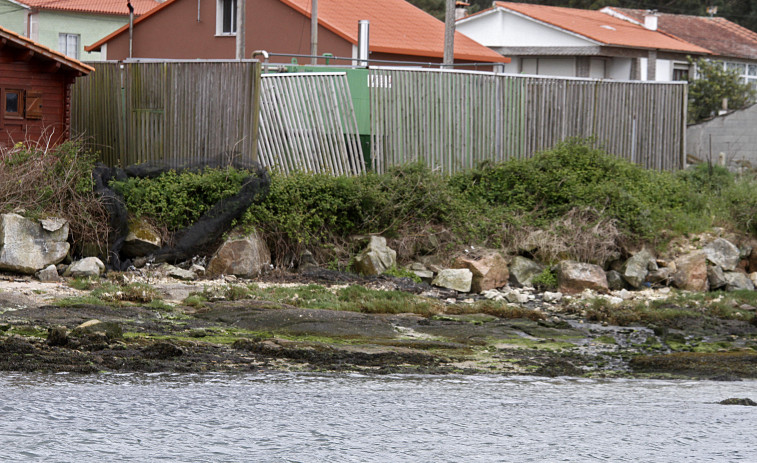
point(131, 27)
point(314, 33)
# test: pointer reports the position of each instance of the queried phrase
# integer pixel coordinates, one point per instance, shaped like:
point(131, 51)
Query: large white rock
point(723, 253)
point(575, 277)
point(376, 258)
point(459, 279)
point(637, 267)
point(27, 246)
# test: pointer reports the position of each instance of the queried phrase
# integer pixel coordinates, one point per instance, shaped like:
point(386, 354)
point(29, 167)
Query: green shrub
point(177, 200)
point(546, 280)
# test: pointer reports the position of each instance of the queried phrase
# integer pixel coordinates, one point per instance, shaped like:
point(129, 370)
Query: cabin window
point(226, 17)
point(13, 104)
point(68, 44)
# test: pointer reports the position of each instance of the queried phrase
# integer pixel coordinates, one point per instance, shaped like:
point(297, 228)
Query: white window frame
point(220, 14)
point(65, 44)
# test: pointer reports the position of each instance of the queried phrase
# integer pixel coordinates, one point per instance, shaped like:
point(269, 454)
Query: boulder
point(242, 254)
point(27, 246)
point(421, 272)
point(753, 277)
point(736, 281)
point(723, 253)
point(459, 279)
point(575, 277)
point(716, 277)
point(636, 268)
point(142, 240)
point(489, 269)
point(523, 270)
point(615, 280)
point(691, 272)
point(662, 276)
point(48, 274)
point(111, 330)
point(87, 267)
point(376, 258)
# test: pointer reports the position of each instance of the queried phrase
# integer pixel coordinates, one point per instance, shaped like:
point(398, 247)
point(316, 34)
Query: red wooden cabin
point(35, 91)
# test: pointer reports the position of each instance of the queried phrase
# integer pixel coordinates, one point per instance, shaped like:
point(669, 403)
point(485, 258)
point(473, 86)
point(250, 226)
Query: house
point(556, 41)
point(206, 29)
point(736, 46)
point(35, 90)
point(68, 25)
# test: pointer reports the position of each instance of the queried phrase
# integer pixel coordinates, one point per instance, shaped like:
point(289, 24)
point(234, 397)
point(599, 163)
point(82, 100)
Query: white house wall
point(619, 68)
point(505, 29)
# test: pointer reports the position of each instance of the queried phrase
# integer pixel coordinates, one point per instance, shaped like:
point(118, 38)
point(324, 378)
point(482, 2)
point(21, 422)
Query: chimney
point(650, 20)
point(461, 10)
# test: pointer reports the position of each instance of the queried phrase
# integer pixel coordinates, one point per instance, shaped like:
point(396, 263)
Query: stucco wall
point(733, 134)
point(174, 32)
point(90, 28)
point(13, 17)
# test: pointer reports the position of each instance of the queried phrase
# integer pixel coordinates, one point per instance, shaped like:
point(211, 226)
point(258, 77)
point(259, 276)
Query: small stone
point(198, 270)
point(178, 273)
point(426, 276)
point(549, 296)
point(624, 294)
point(87, 267)
point(48, 274)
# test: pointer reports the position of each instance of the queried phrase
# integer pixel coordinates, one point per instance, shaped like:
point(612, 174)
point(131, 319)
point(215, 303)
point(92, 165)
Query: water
point(343, 418)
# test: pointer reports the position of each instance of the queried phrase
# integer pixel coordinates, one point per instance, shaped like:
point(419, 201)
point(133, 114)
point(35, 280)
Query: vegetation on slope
point(571, 201)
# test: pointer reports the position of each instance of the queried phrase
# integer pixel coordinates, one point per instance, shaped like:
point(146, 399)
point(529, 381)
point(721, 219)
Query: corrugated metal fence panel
point(453, 120)
point(307, 122)
point(177, 113)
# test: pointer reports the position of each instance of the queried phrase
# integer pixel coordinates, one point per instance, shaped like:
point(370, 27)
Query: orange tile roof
point(396, 26)
point(111, 7)
point(722, 37)
point(18, 40)
point(602, 28)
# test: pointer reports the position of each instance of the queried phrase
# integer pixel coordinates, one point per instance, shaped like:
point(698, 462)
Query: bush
point(176, 200)
point(575, 175)
point(54, 182)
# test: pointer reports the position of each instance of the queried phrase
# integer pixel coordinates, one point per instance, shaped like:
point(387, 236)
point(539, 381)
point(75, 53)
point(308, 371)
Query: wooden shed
point(35, 91)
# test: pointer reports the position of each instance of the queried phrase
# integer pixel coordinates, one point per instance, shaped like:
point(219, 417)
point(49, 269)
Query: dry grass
point(40, 181)
point(581, 234)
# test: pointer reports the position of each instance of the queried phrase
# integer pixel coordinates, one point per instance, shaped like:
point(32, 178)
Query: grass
point(670, 312)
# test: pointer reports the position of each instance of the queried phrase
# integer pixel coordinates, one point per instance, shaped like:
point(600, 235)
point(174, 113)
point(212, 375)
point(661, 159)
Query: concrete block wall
point(730, 139)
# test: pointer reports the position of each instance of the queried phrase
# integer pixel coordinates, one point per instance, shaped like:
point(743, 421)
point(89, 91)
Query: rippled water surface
point(311, 418)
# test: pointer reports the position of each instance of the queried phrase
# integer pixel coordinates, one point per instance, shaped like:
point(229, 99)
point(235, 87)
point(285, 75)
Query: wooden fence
point(175, 113)
point(307, 122)
point(453, 120)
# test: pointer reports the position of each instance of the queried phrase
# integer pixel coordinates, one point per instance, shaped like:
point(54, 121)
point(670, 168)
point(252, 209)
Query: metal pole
point(314, 33)
point(449, 33)
point(131, 27)
point(363, 41)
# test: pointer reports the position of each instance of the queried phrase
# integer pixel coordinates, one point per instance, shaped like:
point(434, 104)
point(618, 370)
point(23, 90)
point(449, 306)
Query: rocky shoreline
point(51, 327)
